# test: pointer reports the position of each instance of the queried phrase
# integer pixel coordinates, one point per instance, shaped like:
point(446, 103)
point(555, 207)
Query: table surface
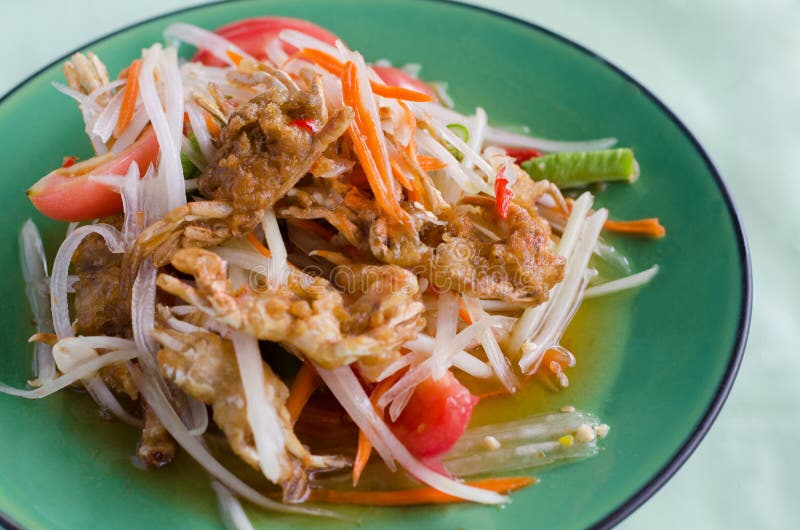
point(730, 69)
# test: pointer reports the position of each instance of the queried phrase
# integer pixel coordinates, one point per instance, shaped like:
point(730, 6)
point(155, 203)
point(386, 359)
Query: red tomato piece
point(396, 77)
point(435, 417)
point(253, 35)
point(67, 194)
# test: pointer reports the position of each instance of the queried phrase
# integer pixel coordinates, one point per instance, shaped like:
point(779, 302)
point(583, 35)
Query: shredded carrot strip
point(326, 61)
point(429, 163)
point(335, 66)
point(364, 445)
point(411, 123)
point(303, 386)
point(364, 144)
point(129, 98)
point(211, 123)
point(400, 174)
point(462, 311)
point(415, 496)
point(311, 226)
point(258, 245)
point(640, 227)
point(234, 57)
point(396, 92)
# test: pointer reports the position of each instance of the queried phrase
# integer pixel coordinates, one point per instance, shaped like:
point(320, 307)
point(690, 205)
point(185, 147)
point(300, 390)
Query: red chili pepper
point(521, 155)
point(304, 124)
point(68, 161)
point(502, 193)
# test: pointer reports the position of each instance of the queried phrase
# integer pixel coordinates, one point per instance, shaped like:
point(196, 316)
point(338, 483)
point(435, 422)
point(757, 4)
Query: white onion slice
point(129, 187)
point(202, 39)
point(345, 387)
point(168, 130)
point(108, 401)
point(512, 140)
point(135, 127)
point(622, 284)
point(448, 135)
point(261, 413)
point(453, 170)
point(446, 323)
point(248, 260)
point(278, 265)
point(201, 133)
point(477, 131)
point(230, 509)
point(567, 296)
point(499, 136)
point(532, 318)
point(107, 120)
point(398, 394)
point(34, 273)
point(472, 365)
point(70, 92)
point(58, 280)
point(301, 40)
point(494, 353)
point(82, 371)
point(160, 405)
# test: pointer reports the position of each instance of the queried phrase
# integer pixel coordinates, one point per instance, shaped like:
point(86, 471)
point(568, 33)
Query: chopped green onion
point(463, 133)
point(190, 171)
point(568, 170)
point(460, 130)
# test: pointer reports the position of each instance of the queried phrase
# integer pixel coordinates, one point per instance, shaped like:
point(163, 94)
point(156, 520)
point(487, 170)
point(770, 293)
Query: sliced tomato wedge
point(396, 77)
point(253, 35)
point(67, 194)
point(435, 417)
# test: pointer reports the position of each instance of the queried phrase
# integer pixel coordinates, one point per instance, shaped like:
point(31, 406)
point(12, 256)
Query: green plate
point(656, 365)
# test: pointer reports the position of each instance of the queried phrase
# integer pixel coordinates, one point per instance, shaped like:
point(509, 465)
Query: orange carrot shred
point(414, 496)
point(364, 446)
point(211, 123)
point(429, 163)
point(400, 174)
point(303, 386)
point(396, 92)
point(335, 66)
point(235, 58)
point(411, 123)
point(131, 92)
point(641, 227)
point(258, 245)
point(462, 311)
point(363, 133)
point(311, 226)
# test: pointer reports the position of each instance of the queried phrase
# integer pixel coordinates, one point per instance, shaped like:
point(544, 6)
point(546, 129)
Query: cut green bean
point(570, 170)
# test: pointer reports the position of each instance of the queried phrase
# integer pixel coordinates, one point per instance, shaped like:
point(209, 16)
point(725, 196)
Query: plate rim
point(682, 454)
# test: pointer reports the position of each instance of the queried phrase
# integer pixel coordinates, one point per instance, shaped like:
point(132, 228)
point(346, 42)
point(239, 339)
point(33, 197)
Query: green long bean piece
point(574, 169)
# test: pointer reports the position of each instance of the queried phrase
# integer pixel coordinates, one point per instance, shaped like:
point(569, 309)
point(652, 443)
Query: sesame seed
point(568, 408)
point(602, 430)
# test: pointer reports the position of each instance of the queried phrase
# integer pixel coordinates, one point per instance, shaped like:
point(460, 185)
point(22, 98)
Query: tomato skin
point(67, 194)
point(253, 35)
point(435, 417)
point(396, 77)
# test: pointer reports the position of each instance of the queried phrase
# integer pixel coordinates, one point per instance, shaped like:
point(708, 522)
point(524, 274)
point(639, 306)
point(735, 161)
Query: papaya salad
point(283, 253)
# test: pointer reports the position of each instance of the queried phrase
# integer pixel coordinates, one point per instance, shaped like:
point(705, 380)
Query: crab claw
point(68, 194)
